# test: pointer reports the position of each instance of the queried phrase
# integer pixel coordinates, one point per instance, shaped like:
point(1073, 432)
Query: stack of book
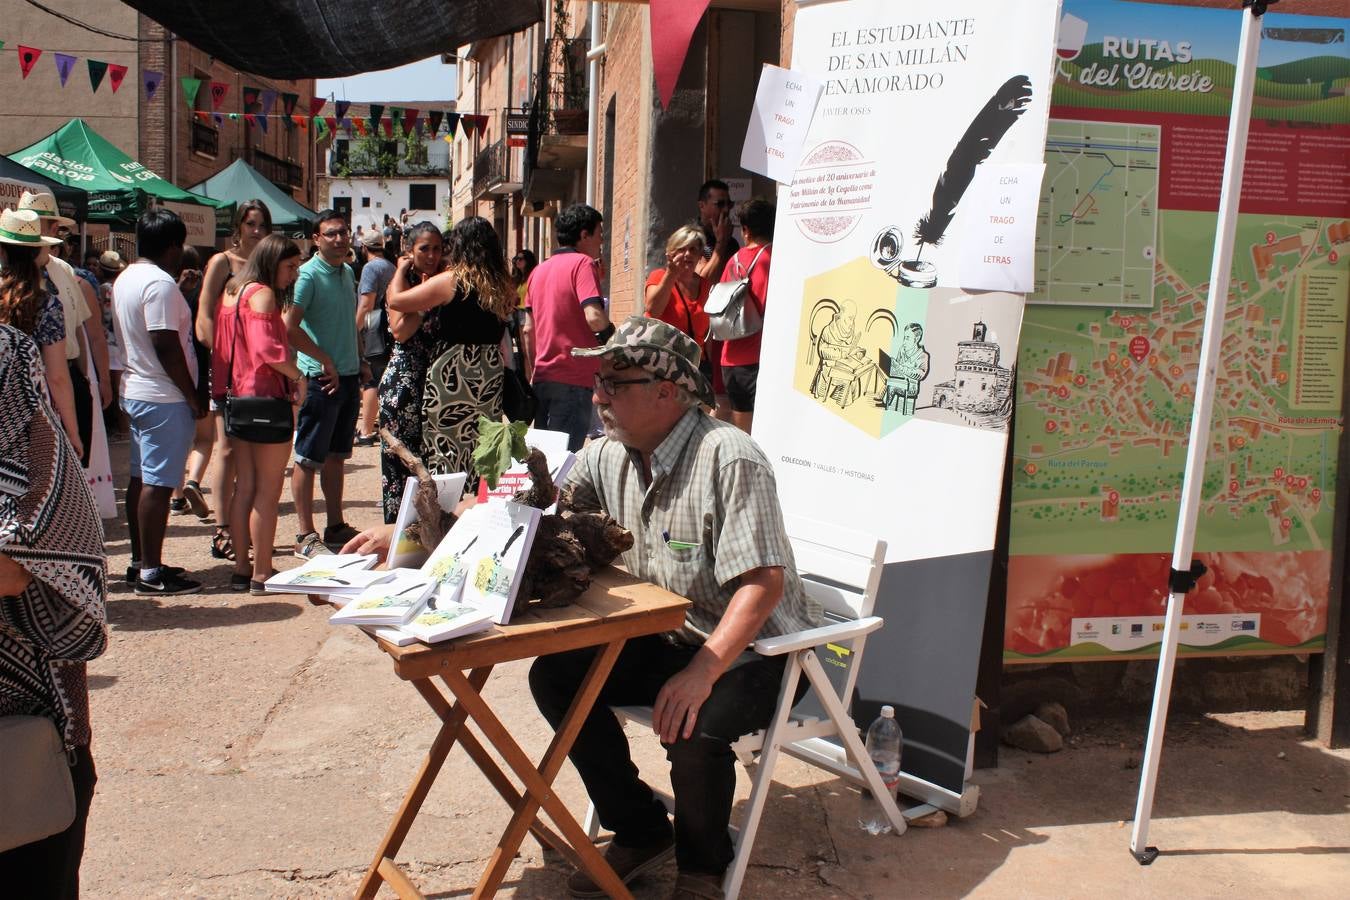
point(342, 575)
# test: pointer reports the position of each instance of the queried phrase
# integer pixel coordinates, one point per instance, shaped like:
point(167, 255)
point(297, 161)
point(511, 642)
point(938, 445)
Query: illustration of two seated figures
point(844, 373)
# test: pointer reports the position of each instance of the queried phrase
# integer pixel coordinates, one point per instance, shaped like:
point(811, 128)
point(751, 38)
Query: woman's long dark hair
point(21, 291)
point(411, 237)
point(263, 264)
point(475, 256)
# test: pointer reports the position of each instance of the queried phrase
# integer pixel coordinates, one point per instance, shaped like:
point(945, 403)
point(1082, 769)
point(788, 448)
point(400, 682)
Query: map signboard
point(1110, 341)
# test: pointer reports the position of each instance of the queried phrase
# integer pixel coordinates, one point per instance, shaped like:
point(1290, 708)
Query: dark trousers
point(49, 869)
point(566, 408)
point(702, 769)
point(84, 410)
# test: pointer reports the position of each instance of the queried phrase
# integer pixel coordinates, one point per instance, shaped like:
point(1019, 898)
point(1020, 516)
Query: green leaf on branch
point(498, 444)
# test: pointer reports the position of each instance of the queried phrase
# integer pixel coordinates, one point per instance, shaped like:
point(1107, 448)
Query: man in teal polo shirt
point(321, 325)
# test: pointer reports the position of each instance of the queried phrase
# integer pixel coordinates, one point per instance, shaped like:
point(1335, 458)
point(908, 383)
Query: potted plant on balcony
point(570, 113)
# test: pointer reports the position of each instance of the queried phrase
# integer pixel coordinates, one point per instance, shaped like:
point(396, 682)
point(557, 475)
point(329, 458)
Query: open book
point(478, 562)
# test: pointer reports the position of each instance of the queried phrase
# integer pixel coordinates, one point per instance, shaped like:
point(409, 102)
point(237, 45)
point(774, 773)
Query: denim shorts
point(326, 423)
point(161, 436)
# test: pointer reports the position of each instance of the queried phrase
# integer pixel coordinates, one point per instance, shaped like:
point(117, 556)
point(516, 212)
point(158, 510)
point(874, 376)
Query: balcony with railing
point(559, 115)
point(205, 139)
point(283, 173)
point(494, 172)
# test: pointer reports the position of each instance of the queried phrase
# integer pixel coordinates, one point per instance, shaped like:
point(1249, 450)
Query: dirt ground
point(246, 748)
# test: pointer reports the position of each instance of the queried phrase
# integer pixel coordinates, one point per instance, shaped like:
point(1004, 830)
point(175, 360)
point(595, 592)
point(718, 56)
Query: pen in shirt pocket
point(677, 545)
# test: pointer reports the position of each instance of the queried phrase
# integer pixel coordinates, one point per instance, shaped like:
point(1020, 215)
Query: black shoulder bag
point(259, 420)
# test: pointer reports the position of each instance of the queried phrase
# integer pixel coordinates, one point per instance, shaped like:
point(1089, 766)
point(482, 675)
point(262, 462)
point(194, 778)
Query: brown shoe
point(692, 886)
point(628, 863)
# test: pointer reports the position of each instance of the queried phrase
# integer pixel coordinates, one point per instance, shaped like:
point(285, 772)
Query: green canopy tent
point(119, 188)
point(239, 182)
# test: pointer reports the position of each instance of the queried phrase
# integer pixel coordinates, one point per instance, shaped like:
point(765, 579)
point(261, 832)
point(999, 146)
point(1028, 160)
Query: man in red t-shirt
point(564, 309)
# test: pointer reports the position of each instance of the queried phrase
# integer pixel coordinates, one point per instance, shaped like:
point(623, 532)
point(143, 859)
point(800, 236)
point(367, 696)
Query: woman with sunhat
point(26, 304)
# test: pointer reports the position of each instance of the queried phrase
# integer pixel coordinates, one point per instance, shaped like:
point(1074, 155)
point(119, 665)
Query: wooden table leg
point(491, 771)
point(538, 782)
point(451, 724)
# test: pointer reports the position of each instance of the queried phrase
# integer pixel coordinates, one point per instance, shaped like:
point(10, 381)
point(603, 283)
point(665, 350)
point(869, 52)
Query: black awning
point(331, 38)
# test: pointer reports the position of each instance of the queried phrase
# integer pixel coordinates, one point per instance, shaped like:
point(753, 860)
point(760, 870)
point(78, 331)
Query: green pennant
point(190, 88)
point(320, 128)
point(234, 117)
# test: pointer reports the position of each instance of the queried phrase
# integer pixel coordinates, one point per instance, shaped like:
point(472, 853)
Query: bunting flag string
point(97, 69)
point(64, 63)
point(116, 73)
point(152, 81)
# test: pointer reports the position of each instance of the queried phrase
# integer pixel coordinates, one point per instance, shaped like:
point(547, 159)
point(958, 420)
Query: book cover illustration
point(406, 549)
point(334, 573)
point(390, 602)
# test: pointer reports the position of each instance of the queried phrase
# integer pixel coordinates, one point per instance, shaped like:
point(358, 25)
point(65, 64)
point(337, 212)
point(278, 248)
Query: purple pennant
point(262, 123)
point(269, 97)
point(152, 81)
point(219, 118)
point(64, 63)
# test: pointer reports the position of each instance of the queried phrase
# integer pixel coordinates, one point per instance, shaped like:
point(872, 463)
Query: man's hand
point(681, 697)
point(14, 578)
point(722, 229)
point(189, 280)
point(375, 539)
point(105, 395)
point(328, 378)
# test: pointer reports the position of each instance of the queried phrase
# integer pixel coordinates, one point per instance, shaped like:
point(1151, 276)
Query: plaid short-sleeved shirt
point(710, 515)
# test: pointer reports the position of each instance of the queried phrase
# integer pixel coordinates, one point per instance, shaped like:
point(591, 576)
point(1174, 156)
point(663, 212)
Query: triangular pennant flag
point(316, 104)
point(320, 128)
point(360, 124)
point(434, 120)
point(97, 69)
point(190, 88)
point(269, 99)
point(250, 118)
point(396, 113)
point(289, 122)
point(234, 117)
point(64, 63)
point(262, 123)
point(115, 75)
point(449, 138)
point(376, 111)
point(251, 98)
point(481, 122)
point(388, 125)
point(451, 123)
point(2, 45)
point(288, 102)
point(218, 91)
point(219, 118)
point(28, 57)
point(673, 24)
point(347, 125)
point(301, 121)
point(331, 122)
point(202, 115)
point(152, 81)
point(409, 119)
point(467, 125)
point(341, 106)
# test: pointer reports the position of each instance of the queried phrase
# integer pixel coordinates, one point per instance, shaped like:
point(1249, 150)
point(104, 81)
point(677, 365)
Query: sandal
point(221, 547)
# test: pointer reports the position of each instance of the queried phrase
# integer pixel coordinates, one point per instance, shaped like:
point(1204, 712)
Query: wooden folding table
point(617, 607)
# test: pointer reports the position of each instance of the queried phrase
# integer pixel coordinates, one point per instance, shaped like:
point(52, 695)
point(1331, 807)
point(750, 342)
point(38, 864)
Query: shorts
point(326, 423)
point(740, 383)
point(377, 366)
point(161, 436)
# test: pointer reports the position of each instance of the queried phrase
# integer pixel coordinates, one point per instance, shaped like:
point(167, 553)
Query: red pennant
point(250, 118)
point(316, 104)
point(218, 91)
point(388, 125)
point(28, 57)
point(302, 121)
point(360, 124)
point(409, 119)
point(331, 122)
point(673, 24)
point(202, 115)
point(115, 75)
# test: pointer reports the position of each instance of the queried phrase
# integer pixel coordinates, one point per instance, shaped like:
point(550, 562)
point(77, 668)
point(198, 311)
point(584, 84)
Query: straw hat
point(111, 261)
point(23, 228)
point(44, 204)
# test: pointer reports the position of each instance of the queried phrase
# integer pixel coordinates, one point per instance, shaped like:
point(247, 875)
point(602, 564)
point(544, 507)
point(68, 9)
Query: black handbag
point(258, 420)
point(518, 400)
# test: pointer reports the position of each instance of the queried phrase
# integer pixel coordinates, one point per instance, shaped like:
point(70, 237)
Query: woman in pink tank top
point(252, 356)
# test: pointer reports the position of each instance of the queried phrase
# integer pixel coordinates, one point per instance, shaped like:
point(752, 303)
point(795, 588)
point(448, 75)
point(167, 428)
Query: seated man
point(700, 499)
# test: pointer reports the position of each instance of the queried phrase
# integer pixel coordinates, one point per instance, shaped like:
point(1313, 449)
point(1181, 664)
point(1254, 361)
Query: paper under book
point(341, 573)
point(391, 602)
point(405, 550)
point(478, 562)
point(553, 444)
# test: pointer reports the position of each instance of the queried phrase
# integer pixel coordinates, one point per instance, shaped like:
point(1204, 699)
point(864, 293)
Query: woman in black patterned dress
point(401, 386)
point(475, 300)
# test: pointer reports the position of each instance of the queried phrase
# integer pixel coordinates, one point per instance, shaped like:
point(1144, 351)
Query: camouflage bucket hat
point(658, 348)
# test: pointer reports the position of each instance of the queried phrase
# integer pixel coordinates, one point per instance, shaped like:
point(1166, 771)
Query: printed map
point(1104, 400)
point(1095, 229)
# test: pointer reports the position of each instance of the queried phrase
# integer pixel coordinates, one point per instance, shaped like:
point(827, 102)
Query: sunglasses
point(609, 386)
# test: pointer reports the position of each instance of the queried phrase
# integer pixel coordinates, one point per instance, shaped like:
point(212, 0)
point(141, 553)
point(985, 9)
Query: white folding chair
point(842, 570)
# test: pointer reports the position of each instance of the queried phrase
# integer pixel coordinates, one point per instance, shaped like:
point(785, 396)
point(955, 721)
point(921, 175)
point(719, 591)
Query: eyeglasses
point(334, 233)
point(609, 386)
point(722, 204)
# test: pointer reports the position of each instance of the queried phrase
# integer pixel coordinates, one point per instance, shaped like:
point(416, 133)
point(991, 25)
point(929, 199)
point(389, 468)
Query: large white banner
point(885, 383)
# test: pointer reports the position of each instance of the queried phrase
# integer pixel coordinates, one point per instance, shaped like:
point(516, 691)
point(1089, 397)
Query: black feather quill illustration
point(984, 133)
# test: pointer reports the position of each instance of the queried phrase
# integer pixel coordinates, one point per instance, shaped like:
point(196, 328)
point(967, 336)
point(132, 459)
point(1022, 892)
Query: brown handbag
point(36, 790)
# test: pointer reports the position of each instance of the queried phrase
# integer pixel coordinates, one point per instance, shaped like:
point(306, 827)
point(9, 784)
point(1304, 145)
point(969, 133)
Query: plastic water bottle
point(883, 745)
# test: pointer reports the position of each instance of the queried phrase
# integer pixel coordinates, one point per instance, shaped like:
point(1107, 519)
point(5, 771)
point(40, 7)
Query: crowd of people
point(262, 360)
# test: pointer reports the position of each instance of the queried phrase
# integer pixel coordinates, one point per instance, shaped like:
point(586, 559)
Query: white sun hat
point(44, 204)
point(23, 228)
